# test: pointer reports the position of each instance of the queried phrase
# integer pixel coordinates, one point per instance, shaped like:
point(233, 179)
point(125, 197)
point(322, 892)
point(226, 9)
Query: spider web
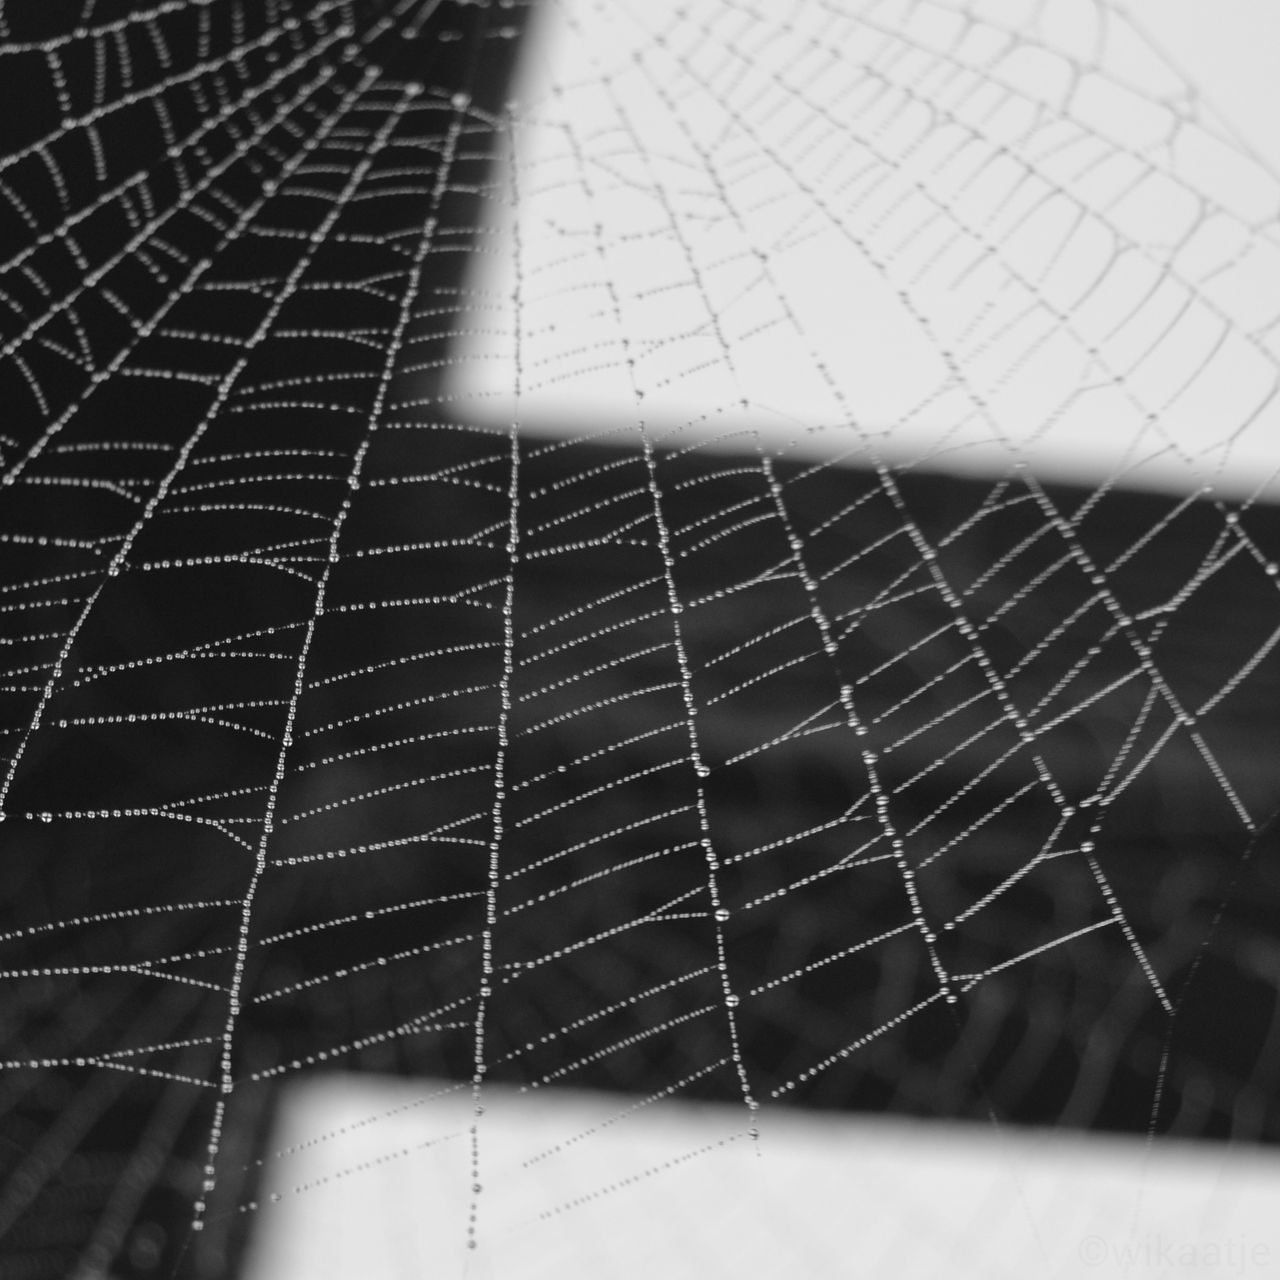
point(355, 722)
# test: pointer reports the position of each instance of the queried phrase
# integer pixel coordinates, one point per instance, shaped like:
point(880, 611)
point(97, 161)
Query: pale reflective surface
point(373, 1182)
point(966, 237)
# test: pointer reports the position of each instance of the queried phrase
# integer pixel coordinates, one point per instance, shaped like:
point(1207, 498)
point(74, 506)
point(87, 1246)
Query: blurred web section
point(371, 1179)
point(958, 236)
point(1227, 51)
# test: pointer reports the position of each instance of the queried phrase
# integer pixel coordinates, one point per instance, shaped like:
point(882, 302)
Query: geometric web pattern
point(353, 721)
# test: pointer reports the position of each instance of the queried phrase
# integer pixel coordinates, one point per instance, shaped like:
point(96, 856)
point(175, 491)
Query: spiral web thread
point(354, 723)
